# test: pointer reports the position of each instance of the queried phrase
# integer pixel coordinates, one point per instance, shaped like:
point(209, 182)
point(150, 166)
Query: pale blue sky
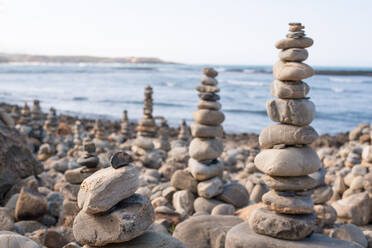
point(189, 31)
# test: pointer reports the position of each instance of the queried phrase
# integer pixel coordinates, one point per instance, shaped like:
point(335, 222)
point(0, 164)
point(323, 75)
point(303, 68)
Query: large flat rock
point(241, 236)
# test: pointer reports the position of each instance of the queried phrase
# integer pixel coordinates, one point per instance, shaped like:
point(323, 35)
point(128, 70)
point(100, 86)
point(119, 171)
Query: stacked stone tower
point(184, 133)
point(146, 126)
point(37, 121)
point(111, 213)
point(125, 127)
point(25, 118)
point(286, 158)
point(205, 148)
point(51, 123)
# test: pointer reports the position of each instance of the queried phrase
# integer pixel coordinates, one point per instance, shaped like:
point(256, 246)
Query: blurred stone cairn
point(287, 159)
point(112, 214)
point(24, 122)
point(48, 148)
point(125, 128)
point(74, 177)
point(37, 121)
point(143, 146)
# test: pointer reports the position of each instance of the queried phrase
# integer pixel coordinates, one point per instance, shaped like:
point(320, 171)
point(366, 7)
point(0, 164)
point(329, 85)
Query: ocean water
point(105, 90)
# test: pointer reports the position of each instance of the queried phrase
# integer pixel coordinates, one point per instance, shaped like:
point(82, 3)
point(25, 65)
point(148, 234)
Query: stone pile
point(24, 122)
point(74, 177)
point(146, 126)
point(48, 148)
point(286, 158)
point(162, 143)
point(112, 214)
point(205, 148)
point(100, 138)
point(184, 133)
point(125, 128)
point(37, 121)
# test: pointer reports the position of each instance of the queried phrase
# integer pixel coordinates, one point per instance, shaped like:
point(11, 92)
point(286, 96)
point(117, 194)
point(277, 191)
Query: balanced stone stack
point(51, 123)
point(25, 118)
point(184, 133)
point(162, 142)
point(48, 149)
point(111, 213)
point(37, 121)
point(146, 126)
point(74, 178)
point(125, 127)
point(205, 148)
point(287, 159)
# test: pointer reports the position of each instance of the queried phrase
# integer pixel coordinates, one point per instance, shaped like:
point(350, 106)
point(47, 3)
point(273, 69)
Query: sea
point(100, 90)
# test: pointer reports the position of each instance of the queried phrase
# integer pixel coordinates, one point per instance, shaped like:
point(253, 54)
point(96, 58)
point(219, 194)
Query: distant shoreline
point(27, 58)
point(61, 59)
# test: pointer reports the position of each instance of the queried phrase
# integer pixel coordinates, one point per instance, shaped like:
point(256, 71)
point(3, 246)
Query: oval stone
point(294, 43)
point(299, 112)
point(288, 204)
point(205, 80)
point(209, 105)
point(210, 72)
point(291, 71)
point(294, 54)
point(128, 219)
point(205, 149)
point(286, 134)
point(289, 89)
point(282, 226)
point(204, 131)
point(300, 183)
point(203, 172)
point(288, 162)
point(209, 117)
point(105, 188)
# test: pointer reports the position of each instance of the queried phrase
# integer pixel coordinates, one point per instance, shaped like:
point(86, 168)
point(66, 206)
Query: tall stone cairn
point(184, 133)
point(205, 148)
point(286, 157)
point(146, 126)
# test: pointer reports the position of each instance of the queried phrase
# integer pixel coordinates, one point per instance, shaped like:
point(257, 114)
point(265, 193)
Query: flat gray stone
point(299, 183)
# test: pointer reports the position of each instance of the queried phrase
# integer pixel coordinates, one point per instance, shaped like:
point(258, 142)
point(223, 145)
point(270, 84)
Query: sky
point(188, 31)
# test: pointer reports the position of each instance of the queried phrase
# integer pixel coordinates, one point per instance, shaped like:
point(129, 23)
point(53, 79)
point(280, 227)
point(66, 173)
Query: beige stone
point(292, 71)
point(204, 131)
point(300, 183)
point(289, 89)
point(294, 43)
point(105, 188)
point(209, 105)
point(291, 161)
point(203, 172)
point(210, 188)
point(205, 80)
point(205, 149)
point(288, 204)
point(209, 117)
point(287, 134)
point(299, 112)
point(294, 54)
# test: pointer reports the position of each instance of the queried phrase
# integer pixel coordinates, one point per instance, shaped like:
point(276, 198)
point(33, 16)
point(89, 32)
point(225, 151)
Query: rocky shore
point(70, 183)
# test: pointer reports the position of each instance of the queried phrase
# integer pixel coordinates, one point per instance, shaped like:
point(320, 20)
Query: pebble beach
point(223, 156)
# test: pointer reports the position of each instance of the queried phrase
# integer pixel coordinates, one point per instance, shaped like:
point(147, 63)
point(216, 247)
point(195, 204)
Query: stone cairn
point(125, 127)
point(25, 118)
point(286, 158)
point(163, 140)
point(184, 133)
point(74, 177)
point(111, 212)
point(48, 148)
point(146, 126)
point(37, 121)
point(205, 148)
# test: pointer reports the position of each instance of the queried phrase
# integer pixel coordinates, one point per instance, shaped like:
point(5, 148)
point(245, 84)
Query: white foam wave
point(346, 80)
point(337, 90)
point(245, 83)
